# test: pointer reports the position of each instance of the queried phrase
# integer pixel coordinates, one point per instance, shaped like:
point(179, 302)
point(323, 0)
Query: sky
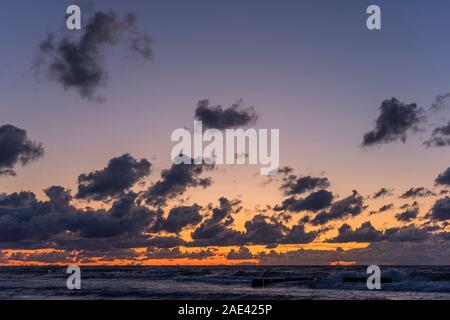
point(311, 69)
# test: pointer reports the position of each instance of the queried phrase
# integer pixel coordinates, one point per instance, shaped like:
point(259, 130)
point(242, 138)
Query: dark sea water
point(224, 282)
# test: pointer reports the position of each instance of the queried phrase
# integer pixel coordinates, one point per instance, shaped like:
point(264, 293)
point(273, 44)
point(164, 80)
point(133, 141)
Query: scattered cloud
point(58, 196)
point(386, 207)
point(263, 230)
point(443, 178)
point(57, 223)
point(293, 185)
point(383, 192)
point(440, 137)
point(418, 192)
point(313, 202)
point(176, 253)
point(298, 235)
point(18, 199)
point(78, 63)
point(378, 253)
point(440, 103)
point(243, 253)
point(16, 148)
point(182, 217)
point(395, 121)
point(407, 215)
point(166, 242)
point(217, 117)
point(117, 177)
point(348, 207)
point(367, 233)
point(175, 181)
point(440, 210)
point(215, 230)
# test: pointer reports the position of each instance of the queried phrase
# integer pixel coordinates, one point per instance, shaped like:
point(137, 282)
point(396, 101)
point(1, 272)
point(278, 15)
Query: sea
point(227, 282)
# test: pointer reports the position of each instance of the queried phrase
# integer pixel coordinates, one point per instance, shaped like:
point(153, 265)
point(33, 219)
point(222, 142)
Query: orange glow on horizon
point(219, 257)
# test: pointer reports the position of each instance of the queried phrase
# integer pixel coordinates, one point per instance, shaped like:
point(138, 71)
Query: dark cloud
point(78, 63)
point(440, 210)
point(176, 253)
point(125, 218)
point(292, 185)
point(298, 235)
point(348, 207)
point(407, 233)
point(74, 257)
point(410, 205)
point(181, 217)
point(217, 117)
point(301, 257)
point(367, 233)
point(443, 178)
point(215, 230)
point(56, 223)
point(286, 171)
point(418, 192)
point(440, 137)
point(407, 215)
point(118, 176)
point(260, 230)
point(175, 181)
point(314, 202)
point(383, 192)
point(386, 207)
point(18, 199)
point(59, 196)
point(51, 257)
point(16, 148)
point(378, 253)
point(243, 253)
point(166, 242)
point(395, 121)
point(263, 230)
point(440, 103)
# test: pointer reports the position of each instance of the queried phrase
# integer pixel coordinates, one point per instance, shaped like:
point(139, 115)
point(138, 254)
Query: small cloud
point(16, 148)
point(383, 192)
point(444, 178)
point(407, 215)
point(440, 210)
point(243, 253)
point(293, 185)
point(419, 192)
point(176, 253)
point(118, 176)
point(217, 117)
point(175, 181)
point(440, 137)
point(79, 63)
point(395, 121)
point(313, 202)
point(348, 207)
point(182, 217)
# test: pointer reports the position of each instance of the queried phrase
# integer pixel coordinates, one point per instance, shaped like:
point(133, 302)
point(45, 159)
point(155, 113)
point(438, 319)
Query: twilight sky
point(309, 68)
